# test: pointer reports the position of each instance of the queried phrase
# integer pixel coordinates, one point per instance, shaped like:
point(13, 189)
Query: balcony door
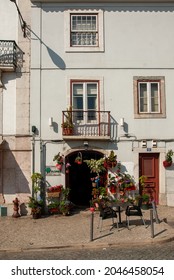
point(85, 101)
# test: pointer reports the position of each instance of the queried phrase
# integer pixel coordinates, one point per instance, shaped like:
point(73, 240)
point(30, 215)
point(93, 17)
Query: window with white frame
point(85, 100)
point(149, 97)
point(83, 31)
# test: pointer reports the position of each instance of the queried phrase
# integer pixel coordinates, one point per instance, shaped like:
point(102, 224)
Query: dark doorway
point(79, 178)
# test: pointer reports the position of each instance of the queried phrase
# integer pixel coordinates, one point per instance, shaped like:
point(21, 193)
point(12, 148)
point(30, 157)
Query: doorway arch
point(79, 177)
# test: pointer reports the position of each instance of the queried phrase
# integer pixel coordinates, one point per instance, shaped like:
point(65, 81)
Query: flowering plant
point(95, 179)
point(126, 183)
point(57, 188)
point(58, 158)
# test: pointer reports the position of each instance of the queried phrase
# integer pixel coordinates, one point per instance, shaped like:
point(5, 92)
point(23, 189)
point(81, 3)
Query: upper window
point(149, 97)
point(84, 100)
point(83, 31)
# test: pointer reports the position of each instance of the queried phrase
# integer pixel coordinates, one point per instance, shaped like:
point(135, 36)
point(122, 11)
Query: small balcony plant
point(168, 159)
point(67, 125)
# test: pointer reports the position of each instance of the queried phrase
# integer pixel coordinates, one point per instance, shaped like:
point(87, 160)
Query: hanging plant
point(79, 159)
point(168, 159)
point(59, 159)
point(67, 167)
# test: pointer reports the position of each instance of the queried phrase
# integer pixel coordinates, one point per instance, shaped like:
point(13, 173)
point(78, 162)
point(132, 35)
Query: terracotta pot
point(167, 163)
point(67, 131)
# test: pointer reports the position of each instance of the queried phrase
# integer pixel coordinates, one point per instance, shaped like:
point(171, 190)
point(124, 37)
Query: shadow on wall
point(13, 181)
point(56, 59)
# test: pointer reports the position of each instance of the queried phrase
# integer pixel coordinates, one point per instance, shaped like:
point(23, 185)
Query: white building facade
point(110, 63)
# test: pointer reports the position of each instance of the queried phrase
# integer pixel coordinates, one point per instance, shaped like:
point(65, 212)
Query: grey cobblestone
point(74, 231)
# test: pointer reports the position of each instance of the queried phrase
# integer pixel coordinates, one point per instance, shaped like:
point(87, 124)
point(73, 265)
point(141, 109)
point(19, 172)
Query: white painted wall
point(138, 41)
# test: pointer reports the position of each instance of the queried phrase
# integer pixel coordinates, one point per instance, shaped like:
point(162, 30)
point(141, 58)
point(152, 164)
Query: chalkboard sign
point(155, 212)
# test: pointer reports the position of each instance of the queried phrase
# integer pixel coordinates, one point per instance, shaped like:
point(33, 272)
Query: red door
point(149, 167)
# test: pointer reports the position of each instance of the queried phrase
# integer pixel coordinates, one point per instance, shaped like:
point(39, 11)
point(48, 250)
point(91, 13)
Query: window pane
point(92, 101)
point(81, 23)
point(143, 97)
point(154, 97)
point(78, 100)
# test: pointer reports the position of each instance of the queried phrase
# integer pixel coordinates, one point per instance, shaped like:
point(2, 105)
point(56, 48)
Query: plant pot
point(92, 209)
point(59, 166)
point(145, 206)
point(53, 194)
point(167, 163)
point(113, 189)
point(53, 210)
point(36, 215)
point(67, 131)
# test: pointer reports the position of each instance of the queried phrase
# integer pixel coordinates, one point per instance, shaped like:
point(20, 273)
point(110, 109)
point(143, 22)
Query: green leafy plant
point(96, 166)
point(35, 203)
point(169, 156)
point(68, 123)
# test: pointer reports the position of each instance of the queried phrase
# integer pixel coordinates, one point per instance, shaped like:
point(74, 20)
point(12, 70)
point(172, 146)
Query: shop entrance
point(79, 177)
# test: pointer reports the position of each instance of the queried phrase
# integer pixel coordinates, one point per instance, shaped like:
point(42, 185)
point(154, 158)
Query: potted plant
point(54, 191)
point(168, 159)
point(53, 207)
point(78, 160)
point(145, 201)
point(111, 160)
point(59, 159)
point(65, 204)
point(67, 125)
point(96, 166)
point(35, 203)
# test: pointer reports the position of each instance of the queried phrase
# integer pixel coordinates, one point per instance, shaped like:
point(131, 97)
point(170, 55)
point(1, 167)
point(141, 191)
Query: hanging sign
point(51, 170)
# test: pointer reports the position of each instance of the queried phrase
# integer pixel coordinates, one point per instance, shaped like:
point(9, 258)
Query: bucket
point(3, 211)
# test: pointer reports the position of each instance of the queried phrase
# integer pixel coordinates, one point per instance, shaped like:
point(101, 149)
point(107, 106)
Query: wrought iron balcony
point(89, 124)
point(11, 56)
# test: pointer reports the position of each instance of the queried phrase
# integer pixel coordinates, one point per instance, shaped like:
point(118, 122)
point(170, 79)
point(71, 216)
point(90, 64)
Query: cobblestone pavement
point(164, 251)
point(74, 231)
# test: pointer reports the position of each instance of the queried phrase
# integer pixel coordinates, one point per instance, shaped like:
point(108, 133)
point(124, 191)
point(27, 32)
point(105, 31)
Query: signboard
point(52, 171)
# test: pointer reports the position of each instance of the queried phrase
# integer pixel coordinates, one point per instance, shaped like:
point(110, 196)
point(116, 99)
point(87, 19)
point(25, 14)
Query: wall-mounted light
point(33, 129)
point(50, 121)
point(22, 21)
point(86, 145)
point(143, 144)
point(154, 144)
point(122, 122)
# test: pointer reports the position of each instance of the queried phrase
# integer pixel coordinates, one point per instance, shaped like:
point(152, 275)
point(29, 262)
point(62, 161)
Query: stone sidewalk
point(59, 231)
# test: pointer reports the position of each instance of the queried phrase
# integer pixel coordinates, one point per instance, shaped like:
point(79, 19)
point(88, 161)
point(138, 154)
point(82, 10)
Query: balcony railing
point(86, 124)
point(11, 56)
